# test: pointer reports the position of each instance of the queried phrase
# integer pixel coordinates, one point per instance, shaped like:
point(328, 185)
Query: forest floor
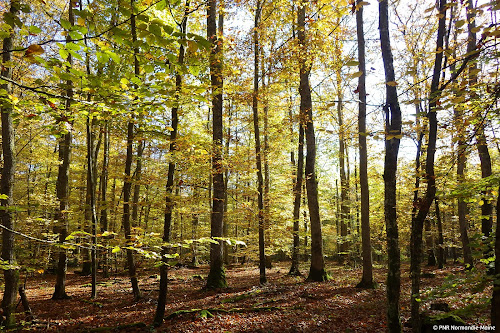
point(285, 304)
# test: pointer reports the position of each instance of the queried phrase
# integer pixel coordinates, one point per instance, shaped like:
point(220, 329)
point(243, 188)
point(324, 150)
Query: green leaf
point(115, 57)
point(155, 29)
point(161, 5)
point(65, 24)
point(195, 70)
point(352, 63)
point(34, 30)
point(4, 196)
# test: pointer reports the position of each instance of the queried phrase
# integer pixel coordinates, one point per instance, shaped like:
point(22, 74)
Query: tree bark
point(162, 293)
point(366, 248)
point(11, 274)
point(137, 185)
point(258, 153)
point(481, 143)
point(440, 249)
point(62, 187)
point(344, 183)
point(392, 139)
point(317, 270)
point(127, 183)
point(297, 194)
point(216, 277)
point(430, 193)
point(495, 299)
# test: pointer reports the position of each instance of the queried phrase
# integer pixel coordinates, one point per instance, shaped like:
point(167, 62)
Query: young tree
point(127, 184)
point(11, 273)
point(317, 270)
point(258, 153)
point(62, 187)
point(167, 224)
point(217, 277)
point(392, 139)
point(366, 249)
point(425, 203)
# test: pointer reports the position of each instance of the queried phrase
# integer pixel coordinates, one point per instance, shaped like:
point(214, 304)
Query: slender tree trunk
point(169, 204)
point(137, 185)
point(258, 154)
point(11, 275)
point(62, 187)
point(440, 250)
point(495, 299)
point(430, 193)
point(217, 277)
point(103, 183)
point(344, 183)
point(366, 247)
point(392, 139)
point(297, 193)
point(127, 184)
point(481, 143)
point(317, 270)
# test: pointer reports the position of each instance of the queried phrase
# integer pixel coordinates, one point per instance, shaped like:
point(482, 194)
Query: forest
point(249, 165)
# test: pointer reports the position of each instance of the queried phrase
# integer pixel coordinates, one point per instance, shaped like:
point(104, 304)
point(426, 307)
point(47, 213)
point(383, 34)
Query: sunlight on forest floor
point(285, 304)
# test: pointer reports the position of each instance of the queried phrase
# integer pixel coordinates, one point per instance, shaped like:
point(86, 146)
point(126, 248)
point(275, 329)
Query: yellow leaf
point(34, 49)
point(481, 202)
point(80, 21)
point(357, 74)
point(392, 83)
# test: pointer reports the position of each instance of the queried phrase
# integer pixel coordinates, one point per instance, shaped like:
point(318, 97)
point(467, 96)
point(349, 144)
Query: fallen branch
point(119, 327)
point(208, 312)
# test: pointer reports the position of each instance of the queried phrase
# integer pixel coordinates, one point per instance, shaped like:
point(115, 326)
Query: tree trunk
point(62, 187)
point(317, 270)
point(481, 143)
point(137, 185)
point(297, 194)
point(217, 276)
point(258, 154)
point(344, 183)
point(440, 250)
point(366, 247)
point(162, 293)
point(392, 139)
point(430, 193)
point(11, 274)
point(127, 183)
point(104, 205)
point(495, 299)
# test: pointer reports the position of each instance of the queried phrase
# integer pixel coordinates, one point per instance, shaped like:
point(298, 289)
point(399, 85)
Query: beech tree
point(62, 187)
point(392, 139)
point(11, 273)
point(317, 270)
point(367, 278)
point(216, 277)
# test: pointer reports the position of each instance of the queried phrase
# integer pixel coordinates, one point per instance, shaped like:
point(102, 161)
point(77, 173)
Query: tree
point(62, 187)
point(425, 203)
point(11, 273)
point(127, 184)
point(258, 153)
point(495, 298)
point(167, 224)
point(317, 270)
point(367, 278)
point(217, 277)
point(481, 143)
point(392, 139)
